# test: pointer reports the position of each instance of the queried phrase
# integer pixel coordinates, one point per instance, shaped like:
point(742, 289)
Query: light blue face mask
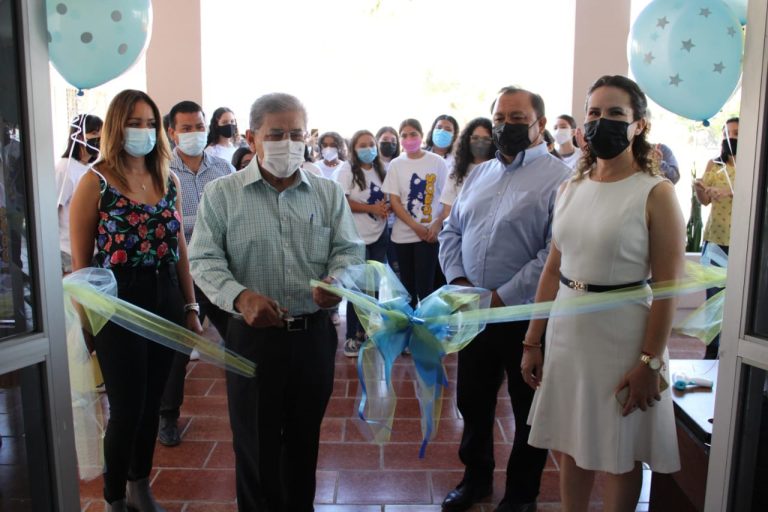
point(367, 155)
point(139, 141)
point(441, 138)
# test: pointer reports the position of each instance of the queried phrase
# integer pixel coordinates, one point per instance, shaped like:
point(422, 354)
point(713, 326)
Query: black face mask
point(479, 149)
point(92, 146)
point(387, 149)
point(226, 130)
point(607, 138)
point(729, 147)
point(512, 138)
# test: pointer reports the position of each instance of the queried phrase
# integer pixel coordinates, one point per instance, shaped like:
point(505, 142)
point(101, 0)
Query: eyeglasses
point(294, 135)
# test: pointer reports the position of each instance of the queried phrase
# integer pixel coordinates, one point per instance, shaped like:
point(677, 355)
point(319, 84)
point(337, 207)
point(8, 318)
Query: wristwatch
point(653, 362)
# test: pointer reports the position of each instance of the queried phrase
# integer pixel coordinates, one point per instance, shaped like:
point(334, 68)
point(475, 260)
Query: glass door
point(38, 470)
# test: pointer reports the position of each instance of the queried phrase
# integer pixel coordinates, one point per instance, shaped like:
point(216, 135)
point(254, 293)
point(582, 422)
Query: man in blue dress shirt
point(497, 237)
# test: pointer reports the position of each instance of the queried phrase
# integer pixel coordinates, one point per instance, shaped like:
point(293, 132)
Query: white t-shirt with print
point(331, 172)
point(369, 227)
point(452, 189)
point(419, 183)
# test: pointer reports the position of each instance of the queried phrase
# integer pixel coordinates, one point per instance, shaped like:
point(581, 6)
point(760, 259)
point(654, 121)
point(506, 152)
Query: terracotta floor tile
point(332, 429)
point(444, 482)
point(406, 456)
point(334, 456)
point(209, 428)
point(189, 454)
point(339, 407)
point(326, 486)
point(195, 485)
point(388, 487)
point(403, 388)
point(92, 489)
point(204, 406)
point(219, 388)
point(339, 388)
point(222, 456)
point(197, 387)
point(202, 370)
point(211, 507)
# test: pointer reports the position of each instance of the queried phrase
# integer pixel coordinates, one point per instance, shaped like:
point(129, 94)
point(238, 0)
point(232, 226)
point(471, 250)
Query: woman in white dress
point(600, 399)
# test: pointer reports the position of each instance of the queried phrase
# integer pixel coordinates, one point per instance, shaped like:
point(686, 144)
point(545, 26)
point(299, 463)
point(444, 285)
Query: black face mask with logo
point(511, 139)
point(607, 138)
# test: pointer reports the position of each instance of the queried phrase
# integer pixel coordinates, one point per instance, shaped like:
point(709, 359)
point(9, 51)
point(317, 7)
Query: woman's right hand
point(532, 366)
point(380, 209)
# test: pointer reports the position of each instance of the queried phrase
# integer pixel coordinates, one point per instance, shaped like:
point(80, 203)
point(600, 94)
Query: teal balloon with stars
point(740, 8)
point(686, 55)
point(90, 42)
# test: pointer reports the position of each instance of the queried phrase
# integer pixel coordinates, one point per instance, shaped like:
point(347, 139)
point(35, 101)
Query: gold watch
point(653, 362)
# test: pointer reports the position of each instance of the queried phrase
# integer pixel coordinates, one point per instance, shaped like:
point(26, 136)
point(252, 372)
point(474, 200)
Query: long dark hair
point(430, 144)
point(357, 170)
point(641, 149)
point(213, 132)
point(79, 126)
point(464, 155)
point(549, 139)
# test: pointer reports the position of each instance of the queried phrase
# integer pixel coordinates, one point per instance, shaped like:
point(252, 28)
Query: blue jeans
point(376, 251)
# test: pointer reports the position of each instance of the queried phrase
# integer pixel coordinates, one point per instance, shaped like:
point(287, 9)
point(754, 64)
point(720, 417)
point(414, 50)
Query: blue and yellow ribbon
point(445, 322)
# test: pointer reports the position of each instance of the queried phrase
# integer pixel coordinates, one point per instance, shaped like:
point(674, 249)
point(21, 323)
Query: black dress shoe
point(463, 496)
point(169, 432)
point(515, 507)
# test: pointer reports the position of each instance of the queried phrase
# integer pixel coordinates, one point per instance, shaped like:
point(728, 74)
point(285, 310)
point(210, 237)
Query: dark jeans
point(173, 396)
point(713, 349)
point(135, 370)
point(376, 251)
point(418, 264)
point(275, 417)
point(482, 365)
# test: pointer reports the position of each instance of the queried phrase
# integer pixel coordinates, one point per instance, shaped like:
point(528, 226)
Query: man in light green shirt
point(260, 236)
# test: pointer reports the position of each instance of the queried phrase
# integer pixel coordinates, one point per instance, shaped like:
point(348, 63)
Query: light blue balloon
point(90, 42)
point(686, 55)
point(740, 8)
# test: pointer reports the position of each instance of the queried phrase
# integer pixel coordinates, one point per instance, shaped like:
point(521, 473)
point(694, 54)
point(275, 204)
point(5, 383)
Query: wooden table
point(694, 408)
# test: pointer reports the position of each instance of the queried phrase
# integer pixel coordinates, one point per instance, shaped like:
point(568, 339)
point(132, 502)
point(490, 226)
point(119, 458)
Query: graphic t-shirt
point(369, 227)
point(419, 183)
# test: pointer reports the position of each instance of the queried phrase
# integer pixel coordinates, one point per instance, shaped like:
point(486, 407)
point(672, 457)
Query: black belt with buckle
point(597, 288)
point(291, 323)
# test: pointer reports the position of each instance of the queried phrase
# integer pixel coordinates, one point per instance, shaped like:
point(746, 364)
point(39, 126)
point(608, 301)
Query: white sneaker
point(194, 355)
point(352, 347)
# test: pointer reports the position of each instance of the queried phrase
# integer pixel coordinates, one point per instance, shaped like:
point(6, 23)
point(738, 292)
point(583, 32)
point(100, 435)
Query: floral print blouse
point(132, 234)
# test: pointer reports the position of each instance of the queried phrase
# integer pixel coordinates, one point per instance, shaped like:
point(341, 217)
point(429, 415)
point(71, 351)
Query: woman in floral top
point(128, 208)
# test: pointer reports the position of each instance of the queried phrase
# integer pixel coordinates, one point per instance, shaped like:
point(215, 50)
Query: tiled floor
point(353, 475)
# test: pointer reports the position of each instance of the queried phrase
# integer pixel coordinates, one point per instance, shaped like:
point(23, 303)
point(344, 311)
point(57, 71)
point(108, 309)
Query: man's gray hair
point(273, 103)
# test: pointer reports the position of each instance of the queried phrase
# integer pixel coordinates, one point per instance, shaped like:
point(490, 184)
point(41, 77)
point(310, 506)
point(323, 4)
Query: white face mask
point(283, 157)
point(192, 143)
point(330, 154)
point(563, 135)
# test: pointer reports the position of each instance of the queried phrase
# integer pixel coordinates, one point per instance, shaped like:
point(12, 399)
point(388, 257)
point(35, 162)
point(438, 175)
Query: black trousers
point(482, 365)
point(173, 396)
point(418, 266)
point(135, 370)
point(713, 349)
point(275, 417)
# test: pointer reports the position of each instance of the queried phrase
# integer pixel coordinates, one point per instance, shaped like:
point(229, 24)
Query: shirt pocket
point(319, 244)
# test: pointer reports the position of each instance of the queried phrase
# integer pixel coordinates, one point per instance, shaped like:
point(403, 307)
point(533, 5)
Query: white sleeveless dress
point(602, 233)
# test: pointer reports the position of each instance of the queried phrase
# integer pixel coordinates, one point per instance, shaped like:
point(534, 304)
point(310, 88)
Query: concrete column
point(174, 56)
point(600, 47)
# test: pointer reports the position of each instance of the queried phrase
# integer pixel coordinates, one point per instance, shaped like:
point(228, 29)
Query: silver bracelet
point(193, 306)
